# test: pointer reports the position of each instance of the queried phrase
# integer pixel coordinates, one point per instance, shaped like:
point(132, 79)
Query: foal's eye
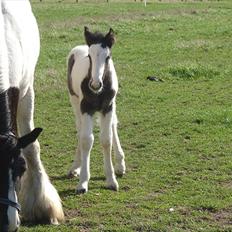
point(107, 59)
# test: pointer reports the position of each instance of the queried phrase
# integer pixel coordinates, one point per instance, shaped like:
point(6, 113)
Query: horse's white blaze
point(12, 213)
point(98, 57)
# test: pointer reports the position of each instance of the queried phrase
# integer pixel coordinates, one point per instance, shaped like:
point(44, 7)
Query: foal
point(93, 85)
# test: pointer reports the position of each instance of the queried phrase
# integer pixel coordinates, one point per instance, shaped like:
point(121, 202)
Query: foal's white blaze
point(98, 56)
point(12, 213)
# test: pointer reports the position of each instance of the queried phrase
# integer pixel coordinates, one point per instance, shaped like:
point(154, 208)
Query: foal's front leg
point(76, 165)
point(106, 137)
point(86, 143)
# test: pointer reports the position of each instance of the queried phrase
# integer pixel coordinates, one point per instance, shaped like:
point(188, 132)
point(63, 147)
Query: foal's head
point(12, 167)
point(99, 55)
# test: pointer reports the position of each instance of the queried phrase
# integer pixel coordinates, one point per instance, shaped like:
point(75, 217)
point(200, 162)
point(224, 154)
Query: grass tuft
point(193, 72)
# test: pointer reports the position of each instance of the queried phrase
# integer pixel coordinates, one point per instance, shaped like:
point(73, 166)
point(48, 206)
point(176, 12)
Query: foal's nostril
point(100, 85)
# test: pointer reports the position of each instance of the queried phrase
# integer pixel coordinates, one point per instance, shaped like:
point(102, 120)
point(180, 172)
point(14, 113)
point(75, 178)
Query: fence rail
point(145, 1)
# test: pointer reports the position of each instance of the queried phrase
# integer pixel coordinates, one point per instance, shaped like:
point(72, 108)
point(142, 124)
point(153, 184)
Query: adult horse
point(19, 51)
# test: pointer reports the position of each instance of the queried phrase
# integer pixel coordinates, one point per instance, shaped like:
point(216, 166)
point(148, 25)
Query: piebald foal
point(93, 85)
point(19, 51)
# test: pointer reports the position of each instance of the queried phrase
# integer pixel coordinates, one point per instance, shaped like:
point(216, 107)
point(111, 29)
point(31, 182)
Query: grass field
point(176, 134)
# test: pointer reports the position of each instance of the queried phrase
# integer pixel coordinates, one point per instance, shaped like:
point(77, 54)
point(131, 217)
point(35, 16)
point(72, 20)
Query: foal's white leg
point(40, 200)
point(120, 167)
point(86, 143)
point(106, 141)
point(76, 165)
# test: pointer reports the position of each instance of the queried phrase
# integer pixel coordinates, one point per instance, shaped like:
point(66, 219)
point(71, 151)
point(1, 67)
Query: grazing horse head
point(12, 166)
point(99, 55)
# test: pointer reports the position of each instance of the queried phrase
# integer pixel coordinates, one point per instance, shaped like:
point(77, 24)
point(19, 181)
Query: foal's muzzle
point(96, 87)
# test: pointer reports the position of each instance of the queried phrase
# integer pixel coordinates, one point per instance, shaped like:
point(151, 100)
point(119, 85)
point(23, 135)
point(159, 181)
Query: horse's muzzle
point(96, 87)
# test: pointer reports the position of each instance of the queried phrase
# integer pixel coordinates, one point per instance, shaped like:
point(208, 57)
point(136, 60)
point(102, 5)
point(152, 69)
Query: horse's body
point(93, 86)
point(19, 51)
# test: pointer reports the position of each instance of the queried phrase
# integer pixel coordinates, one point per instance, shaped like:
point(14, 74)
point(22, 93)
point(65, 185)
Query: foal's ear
point(110, 38)
point(89, 38)
point(29, 138)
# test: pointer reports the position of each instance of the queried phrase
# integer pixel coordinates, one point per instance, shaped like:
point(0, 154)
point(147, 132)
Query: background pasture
point(176, 133)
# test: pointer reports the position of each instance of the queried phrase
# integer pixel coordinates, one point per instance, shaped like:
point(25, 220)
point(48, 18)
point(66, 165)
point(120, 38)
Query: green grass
point(176, 134)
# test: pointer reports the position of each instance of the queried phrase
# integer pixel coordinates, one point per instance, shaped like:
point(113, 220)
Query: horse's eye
point(19, 167)
point(107, 59)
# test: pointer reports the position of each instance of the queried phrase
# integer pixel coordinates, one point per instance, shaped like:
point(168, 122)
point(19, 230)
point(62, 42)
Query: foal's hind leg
point(76, 165)
point(40, 200)
point(120, 167)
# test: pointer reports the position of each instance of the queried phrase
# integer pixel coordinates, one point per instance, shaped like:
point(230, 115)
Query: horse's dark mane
point(5, 115)
point(8, 110)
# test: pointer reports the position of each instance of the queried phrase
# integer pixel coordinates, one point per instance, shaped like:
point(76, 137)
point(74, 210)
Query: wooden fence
point(145, 1)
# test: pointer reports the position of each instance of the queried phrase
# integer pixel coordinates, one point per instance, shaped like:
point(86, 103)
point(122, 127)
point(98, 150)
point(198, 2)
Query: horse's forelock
point(8, 143)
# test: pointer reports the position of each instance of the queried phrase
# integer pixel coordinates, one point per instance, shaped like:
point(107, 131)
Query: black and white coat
point(93, 86)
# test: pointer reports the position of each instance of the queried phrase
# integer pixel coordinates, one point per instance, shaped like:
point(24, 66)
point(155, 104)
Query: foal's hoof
point(112, 187)
point(120, 173)
point(54, 221)
point(120, 169)
point(81, 191)
point(73, 173)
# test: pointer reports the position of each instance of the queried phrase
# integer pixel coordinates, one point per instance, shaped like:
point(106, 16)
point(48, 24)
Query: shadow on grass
point(98, 178)
point(62, 177)
point(36, 224)
point(65, 177)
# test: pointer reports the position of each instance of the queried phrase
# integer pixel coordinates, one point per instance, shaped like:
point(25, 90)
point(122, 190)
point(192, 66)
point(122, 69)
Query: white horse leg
point(86, 143)
point(40, 200)
point(106, 141)
point(120, 167)
point(76, 166)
